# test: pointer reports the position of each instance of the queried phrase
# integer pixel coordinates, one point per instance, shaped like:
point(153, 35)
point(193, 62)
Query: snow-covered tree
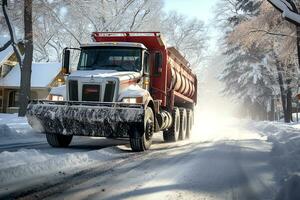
point(269, 31)
point(187, 35)
point(58, 24)
point(24, 60)
point(289, 9)
point(250, 78)
point(247, 76)
point(229, 13)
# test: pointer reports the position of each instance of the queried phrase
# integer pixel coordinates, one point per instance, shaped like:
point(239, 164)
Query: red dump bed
point(176, 84)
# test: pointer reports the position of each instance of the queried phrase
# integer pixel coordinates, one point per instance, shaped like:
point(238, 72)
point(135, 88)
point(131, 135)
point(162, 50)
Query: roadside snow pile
point(29, 163)
point(26, 164)
point(13, 127)
point(286, 144)
point(286, 148)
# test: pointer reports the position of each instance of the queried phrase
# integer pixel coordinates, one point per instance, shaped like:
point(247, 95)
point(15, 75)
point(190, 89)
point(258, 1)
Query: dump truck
point(125, 85)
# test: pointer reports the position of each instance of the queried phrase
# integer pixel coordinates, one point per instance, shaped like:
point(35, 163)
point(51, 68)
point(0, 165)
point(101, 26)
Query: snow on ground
point(285, 140)
point(16, 129)
point(29, 163)
point(279, 141)
point(285, 154)
point(286, 144)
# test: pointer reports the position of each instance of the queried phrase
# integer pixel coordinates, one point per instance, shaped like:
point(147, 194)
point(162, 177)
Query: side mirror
point(158, 63)
point(66, 62)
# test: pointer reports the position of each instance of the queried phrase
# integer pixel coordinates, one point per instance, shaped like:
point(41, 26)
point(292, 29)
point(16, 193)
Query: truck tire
point(57, 140)
point(190, 122)
point(172, 134)
point(143, 142)
point(183, 124)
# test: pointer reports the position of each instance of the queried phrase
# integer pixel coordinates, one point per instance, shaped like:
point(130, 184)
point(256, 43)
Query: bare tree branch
point(6, 45)
point(12, 33)
point(57, 18)
point(270, 33)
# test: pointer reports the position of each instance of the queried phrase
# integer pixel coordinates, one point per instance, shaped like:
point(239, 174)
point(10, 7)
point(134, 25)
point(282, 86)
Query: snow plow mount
point(113, 120)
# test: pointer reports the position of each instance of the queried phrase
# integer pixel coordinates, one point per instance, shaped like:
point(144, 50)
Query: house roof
point(4, 55)
point(60, 90)
point(42, 75)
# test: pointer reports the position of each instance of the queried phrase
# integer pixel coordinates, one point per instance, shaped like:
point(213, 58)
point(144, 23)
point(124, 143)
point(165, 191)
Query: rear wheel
point(172, 134)
point(190, 122)
point(183, 124)
point(57, 140)
point(143, 142)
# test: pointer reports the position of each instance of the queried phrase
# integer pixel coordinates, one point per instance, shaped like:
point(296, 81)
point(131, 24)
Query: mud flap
point(113, 120)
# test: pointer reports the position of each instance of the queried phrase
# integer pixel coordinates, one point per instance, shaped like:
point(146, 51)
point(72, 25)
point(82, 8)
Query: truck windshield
point(107, 58)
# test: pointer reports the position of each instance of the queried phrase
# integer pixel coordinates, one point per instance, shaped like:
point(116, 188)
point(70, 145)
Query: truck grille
point(91, 93)
point(73, 90)
point(109, 91)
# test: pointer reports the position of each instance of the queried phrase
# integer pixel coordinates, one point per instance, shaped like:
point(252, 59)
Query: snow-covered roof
point(4, 55)
point(42, 75)
point(60, 91)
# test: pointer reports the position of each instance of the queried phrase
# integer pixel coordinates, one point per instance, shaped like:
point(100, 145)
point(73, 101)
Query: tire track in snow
point(58, 185)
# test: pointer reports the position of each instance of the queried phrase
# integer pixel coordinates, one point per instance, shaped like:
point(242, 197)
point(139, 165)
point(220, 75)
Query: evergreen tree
point(246, 76)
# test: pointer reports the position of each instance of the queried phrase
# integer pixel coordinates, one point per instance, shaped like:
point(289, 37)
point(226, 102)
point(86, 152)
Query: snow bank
point(16, 129)
point(29, 163)
point(285, 153)
point(26, 164)
point(285, 139)
point(290, 189)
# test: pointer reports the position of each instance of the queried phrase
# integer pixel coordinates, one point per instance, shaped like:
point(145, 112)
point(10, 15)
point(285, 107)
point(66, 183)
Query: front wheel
point(142, 142)
point(57, 140)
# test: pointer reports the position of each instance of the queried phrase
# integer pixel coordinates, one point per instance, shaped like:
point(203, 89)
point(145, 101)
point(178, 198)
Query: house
point(44, 77)
point(7, 58)
point(58, 93)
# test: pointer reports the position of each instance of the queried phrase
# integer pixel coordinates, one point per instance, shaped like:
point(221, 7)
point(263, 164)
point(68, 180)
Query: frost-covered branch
point(7, 44)
point(270, 33)
point(287, 10)
point(58, 20)
point(12, 33)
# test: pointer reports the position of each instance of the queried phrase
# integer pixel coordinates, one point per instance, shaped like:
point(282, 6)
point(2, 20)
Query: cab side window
point(146, 63)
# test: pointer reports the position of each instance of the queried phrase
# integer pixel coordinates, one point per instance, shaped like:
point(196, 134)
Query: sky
point(213, 63)
point(202, 9)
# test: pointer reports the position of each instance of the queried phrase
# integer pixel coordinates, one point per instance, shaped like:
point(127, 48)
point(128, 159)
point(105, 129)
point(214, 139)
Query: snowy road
point(224, 161)
point(233, 166)
point(226, 170)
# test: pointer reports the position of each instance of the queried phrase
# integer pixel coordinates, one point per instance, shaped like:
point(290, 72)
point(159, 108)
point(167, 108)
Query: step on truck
point(126, 85)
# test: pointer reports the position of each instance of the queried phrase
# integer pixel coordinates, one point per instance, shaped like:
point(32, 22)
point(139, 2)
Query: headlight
point(132, 100)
